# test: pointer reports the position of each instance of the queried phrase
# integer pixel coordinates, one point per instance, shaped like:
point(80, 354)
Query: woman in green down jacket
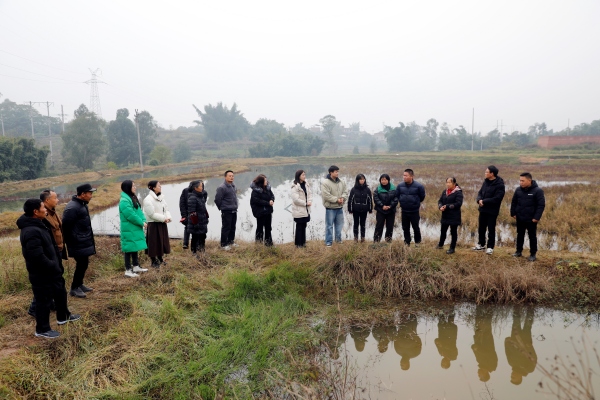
point(133, 223)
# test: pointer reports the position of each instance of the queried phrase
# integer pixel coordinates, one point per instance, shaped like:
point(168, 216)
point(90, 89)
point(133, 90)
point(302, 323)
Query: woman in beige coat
point(301, 202)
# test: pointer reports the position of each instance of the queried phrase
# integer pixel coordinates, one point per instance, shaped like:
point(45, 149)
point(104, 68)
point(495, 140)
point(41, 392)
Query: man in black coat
point(527, 207)
point(42, 259)
point(227, 202)
point(183, 210)
point(79, 237)
point(489, 199)
point(410, 195)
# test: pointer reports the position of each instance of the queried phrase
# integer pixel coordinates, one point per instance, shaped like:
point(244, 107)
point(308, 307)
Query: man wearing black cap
point(79, 237)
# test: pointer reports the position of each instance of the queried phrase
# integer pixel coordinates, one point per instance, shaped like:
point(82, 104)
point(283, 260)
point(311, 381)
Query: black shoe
point(517, 254)
point(450, 251)
point(48, 335)
point(31, 312)
point(72, 317)
point(439, 246)
point(155, 264)
point(77, 293)
point(185, 247)
point(531, 258)
point(85, 289)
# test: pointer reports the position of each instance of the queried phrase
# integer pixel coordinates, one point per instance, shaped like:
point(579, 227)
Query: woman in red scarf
point(449, 204)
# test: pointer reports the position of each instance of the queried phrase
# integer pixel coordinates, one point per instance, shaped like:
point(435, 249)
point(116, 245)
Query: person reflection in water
point(360, 335)
point(406, 342)
point(519, 347)
point(446, 340)
point(383, 334)
point(483, 348)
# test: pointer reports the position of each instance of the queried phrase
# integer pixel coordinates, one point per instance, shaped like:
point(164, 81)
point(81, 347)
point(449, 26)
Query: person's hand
point(385, 208)
point(309, 203)
point(168, 220)
point(443, 208)
point(514, 216)
point(535, 221)
point(271, 202)
point(349, 212)
point(340, 200)
point(480, 203)
point(145, 225)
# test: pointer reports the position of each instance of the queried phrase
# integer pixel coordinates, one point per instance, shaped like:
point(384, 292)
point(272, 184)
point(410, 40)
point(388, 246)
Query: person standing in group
point(527, 206)
point(450, 203)
point(133, 223)
point(261, 202)
point(360, 203)
point(183, 202)
point(489, 200)
point(227, 202)
point(334, 194)
point(410, 195)
point(197, 217)
point(386, 201)
point(42, 259)
point(158, 216)
point(301, 202)
point(79, 236)
point(50, 200)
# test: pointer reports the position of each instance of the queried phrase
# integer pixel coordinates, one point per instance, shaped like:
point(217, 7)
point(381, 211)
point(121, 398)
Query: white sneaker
point(489, 251)
point(130, 273)
point(137, 268)
point(478, 247)
point(226, 248)
point(235, 245)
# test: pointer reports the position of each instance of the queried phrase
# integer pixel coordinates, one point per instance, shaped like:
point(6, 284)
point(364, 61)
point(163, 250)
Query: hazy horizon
point(381, 63)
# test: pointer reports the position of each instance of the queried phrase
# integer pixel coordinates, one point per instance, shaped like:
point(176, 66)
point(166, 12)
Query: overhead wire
point(35, 73)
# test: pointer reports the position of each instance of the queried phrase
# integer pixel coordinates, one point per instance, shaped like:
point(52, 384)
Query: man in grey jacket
point(227, 202)
point(334, 193)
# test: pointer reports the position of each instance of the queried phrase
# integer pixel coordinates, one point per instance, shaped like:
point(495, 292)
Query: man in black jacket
point(410, 195)
point(489, 199)
point(42, 259)
point(79, 237)
point(183, 210)
point(527, 207)
point(227, 202)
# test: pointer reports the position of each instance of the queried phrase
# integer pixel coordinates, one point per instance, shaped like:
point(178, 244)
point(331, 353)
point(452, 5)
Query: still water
point(467, 352)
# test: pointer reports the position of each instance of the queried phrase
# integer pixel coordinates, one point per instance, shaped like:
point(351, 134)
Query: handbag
point(194, 218)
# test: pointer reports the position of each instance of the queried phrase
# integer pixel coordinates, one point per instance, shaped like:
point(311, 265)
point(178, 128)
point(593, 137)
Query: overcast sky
point(373, 62)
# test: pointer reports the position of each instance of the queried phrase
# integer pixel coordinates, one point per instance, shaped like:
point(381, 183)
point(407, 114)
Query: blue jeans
point(334, 217)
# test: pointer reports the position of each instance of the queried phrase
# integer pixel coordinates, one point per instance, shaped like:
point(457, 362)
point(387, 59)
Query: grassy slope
point(244, 323)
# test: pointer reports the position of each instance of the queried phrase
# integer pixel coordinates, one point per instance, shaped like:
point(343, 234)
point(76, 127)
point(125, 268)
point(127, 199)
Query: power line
point(45, 65)
point(35, 73)
point(37, 80)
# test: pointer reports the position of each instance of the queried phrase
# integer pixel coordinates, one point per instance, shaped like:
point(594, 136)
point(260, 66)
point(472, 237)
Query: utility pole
point(62, 115)
point(473, 130)
point(137, 127)
point(2, 121)
point(501, 128)
point(31, 118)
point(48, 104)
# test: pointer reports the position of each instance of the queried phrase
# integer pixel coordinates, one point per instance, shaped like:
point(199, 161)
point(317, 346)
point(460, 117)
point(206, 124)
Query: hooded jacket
point(226, 197)
point(156, 208)
point(492, 193)
point(410, 196)
point(300, 200)
point(42, 257)
point(77, 229)
point(360, 199)
point(385, 197)
point(260, 200)
point(183, 201)
point(528, 204)
point(132, 225)
point(453, 203)
point(197, 203)
point(332, 190)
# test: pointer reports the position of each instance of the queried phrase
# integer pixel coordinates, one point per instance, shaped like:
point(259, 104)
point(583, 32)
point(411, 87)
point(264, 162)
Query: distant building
point(315, 128)
point(380, 136)
point(548, 142)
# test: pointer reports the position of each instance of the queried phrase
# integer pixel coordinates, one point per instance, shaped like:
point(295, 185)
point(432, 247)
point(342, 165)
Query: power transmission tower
point(94, 95)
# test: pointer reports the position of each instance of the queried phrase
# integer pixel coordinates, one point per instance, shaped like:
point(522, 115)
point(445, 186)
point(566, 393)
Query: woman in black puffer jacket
point(449, 204)
point(360, 202)
point(261, 201)
point(197, 218)
point(385, 204)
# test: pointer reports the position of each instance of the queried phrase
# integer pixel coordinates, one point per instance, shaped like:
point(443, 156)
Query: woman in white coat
point(158, 216)
point(301, 202)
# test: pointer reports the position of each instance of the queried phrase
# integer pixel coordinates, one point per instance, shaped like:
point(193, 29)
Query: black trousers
point(382, 219)
point(300, 237)
point(531, 228)
point(81, 265)
point(360, 218)
point(228, 220)
point(487, 222)
point(408, 220)
point(186, 236)
point(263, 229)
point(131, 259)
point(198, 242)
point(44, 293)
point(453, 235)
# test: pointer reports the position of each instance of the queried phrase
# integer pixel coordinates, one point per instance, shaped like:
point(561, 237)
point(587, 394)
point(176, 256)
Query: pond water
point(467, 352)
